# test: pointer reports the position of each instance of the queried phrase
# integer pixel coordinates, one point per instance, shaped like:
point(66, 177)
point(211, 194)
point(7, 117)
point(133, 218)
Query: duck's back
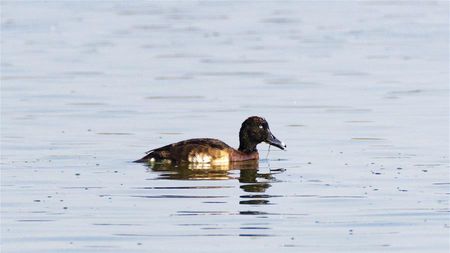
point(203, 150)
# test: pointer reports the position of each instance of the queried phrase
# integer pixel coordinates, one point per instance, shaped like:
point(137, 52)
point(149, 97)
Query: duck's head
point(255, 130)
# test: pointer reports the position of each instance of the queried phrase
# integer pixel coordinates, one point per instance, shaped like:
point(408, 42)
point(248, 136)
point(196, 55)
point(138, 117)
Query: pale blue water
point(359, 91)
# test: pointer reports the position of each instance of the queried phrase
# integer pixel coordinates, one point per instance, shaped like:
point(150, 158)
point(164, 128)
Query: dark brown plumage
point(254, 130)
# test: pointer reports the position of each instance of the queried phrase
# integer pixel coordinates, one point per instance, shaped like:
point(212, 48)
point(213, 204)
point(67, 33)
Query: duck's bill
point(272, 140)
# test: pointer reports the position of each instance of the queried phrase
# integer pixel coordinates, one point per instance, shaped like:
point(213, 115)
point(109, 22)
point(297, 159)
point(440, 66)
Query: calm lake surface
point(359, 92)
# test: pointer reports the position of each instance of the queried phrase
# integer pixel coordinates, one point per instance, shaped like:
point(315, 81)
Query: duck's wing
point(181, 150)
point(213, 143)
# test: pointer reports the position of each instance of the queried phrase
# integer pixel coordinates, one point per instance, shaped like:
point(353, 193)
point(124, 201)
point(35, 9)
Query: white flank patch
point(206, 158)
point(200, 158)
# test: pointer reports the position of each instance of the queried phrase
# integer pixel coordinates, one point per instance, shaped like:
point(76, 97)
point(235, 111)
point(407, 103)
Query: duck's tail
point(150, 157)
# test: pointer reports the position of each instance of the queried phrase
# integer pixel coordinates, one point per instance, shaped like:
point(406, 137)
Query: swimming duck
point(254, 130)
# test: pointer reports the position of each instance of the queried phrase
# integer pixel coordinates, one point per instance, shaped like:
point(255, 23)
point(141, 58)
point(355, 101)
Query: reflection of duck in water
point(252, 181)
point(199, 171)
point(249, 175)
point(254, 130)
point(252, 184)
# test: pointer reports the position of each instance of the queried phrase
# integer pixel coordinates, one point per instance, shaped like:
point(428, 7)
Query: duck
point(254, 130)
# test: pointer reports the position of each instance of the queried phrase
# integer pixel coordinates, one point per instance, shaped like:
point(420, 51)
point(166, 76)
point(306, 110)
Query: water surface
point(358, 91)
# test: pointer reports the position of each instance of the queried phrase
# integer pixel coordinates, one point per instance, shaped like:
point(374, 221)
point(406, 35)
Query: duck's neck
point(245, 143)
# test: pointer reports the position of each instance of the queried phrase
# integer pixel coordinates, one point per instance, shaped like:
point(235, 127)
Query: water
point(357, 90)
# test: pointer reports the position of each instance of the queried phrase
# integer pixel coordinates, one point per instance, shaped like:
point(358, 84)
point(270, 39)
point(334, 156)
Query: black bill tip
point(272, 140)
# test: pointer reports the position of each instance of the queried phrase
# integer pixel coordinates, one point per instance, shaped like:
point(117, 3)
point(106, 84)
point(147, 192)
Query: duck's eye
point(260, 126)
